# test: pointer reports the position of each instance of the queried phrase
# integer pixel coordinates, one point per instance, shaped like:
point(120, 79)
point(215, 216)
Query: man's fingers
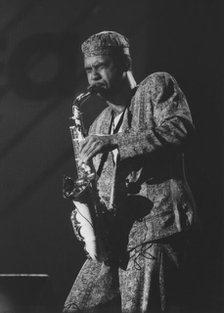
point(91, 151)
point(82, 143)
point(84, 148)
point(90, 148)
point(92, 145)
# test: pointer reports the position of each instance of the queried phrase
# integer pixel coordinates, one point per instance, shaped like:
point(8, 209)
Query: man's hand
point(95, 144)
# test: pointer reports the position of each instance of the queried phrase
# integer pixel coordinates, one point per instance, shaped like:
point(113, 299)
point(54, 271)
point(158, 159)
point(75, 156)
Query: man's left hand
point(95, 144)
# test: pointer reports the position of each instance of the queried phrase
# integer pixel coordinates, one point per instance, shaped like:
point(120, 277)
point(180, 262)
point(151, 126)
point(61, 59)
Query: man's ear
point(123, 62)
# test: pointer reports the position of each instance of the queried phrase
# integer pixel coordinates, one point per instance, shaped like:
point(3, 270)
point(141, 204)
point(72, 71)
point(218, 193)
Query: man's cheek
point(89, 80)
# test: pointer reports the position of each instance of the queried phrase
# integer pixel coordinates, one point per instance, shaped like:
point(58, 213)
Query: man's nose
point(95, 75)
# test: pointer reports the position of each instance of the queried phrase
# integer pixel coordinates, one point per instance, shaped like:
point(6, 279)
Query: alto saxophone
point(90, 217)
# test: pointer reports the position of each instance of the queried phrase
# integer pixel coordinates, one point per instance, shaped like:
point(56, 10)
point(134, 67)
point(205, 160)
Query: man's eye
point(101, 66)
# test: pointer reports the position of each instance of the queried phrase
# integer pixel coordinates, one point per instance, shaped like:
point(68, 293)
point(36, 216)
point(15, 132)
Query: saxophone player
point(137, 147)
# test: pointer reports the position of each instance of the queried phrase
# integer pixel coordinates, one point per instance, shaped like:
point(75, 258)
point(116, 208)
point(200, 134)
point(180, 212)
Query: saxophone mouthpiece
point(93, 89)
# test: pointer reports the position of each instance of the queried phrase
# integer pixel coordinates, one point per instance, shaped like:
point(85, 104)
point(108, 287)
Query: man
point(136, 145)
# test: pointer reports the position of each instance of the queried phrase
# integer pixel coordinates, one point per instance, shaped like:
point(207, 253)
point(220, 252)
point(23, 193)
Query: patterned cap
point(105, 43)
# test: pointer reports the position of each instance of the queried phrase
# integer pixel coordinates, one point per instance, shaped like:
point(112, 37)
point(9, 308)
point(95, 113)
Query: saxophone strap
point(116, 129)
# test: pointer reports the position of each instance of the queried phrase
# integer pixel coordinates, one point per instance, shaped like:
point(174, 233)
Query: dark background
point(41, 71)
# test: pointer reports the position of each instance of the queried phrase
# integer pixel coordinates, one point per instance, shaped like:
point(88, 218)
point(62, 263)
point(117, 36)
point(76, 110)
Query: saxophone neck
point(82, 97)
point(76, 109)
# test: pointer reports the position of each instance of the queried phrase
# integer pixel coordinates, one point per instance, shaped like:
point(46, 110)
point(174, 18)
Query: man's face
point(102, 71)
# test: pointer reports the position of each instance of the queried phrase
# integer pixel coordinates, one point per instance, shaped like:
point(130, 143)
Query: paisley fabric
point(148, 190)
point(149, 283)
point(95, 286)
point(156, 128)
point(152, 280)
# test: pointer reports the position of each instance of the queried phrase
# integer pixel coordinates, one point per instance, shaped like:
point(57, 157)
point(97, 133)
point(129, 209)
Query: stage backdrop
point(40, 73)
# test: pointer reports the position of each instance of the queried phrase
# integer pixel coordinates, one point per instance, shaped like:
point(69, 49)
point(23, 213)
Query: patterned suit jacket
point(147, 186)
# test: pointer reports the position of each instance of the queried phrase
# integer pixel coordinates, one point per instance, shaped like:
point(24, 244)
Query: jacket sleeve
point(170, 124)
